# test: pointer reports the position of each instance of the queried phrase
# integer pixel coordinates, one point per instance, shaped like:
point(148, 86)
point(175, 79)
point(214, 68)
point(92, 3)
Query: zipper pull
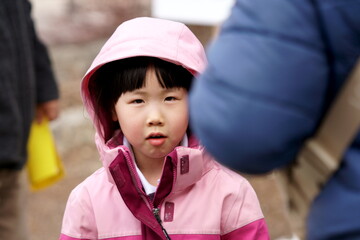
point(156, 212)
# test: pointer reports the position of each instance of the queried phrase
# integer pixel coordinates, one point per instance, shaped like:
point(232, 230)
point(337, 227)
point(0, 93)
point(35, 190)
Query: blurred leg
point(12, 206)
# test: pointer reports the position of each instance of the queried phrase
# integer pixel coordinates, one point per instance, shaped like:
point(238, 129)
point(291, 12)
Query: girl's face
point(153, 119)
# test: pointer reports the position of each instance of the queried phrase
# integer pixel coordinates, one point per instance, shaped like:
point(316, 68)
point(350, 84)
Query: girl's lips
point(155, 135)
point(156, 141)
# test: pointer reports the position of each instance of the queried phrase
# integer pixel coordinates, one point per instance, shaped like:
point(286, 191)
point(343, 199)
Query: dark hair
point(115, 78)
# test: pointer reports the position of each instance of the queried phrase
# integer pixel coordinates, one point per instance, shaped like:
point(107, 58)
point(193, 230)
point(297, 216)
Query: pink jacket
point(197, 198)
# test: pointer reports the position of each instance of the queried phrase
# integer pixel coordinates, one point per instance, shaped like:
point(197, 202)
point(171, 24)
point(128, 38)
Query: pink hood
point(164, 39)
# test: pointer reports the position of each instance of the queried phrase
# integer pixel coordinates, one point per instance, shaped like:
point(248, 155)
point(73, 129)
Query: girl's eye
point(137, 101)
point(170, 98)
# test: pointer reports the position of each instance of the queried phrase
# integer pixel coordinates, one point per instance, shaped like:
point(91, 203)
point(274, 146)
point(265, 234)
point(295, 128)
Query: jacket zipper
point(156, 212)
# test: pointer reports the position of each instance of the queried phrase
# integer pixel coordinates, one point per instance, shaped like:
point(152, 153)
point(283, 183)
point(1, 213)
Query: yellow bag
point(44, 165)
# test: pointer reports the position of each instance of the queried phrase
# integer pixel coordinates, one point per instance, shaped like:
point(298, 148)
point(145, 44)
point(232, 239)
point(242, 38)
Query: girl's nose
point(155, 118)
point(155, 122)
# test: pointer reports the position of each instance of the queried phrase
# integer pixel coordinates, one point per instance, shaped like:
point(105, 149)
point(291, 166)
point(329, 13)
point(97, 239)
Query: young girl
point(157, 182)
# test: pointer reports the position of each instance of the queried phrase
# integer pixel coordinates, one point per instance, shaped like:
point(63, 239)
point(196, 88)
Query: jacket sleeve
point(46, 86)
point(263, 91)
point(242, 217)
point(79, 220)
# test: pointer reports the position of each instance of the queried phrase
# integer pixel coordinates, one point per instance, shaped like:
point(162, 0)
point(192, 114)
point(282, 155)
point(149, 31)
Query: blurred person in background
point(273, 72)
point(27, 90)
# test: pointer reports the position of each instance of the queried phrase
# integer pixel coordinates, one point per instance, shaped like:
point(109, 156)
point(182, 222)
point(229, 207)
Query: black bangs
point(129, 74)
point(113, 79)
point(133, 75)
point(171, 75)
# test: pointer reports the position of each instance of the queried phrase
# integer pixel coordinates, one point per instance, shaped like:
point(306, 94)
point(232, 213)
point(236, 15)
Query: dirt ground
point(74, 33)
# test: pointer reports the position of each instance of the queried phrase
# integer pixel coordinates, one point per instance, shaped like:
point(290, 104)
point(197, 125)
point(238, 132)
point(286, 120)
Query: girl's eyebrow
point(164, 90)
point(173, 89)
point(139, 92)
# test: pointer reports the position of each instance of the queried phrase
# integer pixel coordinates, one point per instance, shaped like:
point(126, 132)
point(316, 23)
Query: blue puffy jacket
point(273, 71)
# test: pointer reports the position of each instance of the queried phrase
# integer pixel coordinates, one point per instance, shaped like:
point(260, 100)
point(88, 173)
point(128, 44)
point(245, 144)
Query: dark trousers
point(12, 205)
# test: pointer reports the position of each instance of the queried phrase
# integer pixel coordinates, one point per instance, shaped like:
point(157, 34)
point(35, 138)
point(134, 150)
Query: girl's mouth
point(156, 139)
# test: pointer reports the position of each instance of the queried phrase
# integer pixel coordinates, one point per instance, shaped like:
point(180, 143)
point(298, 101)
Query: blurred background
point(74, 31)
